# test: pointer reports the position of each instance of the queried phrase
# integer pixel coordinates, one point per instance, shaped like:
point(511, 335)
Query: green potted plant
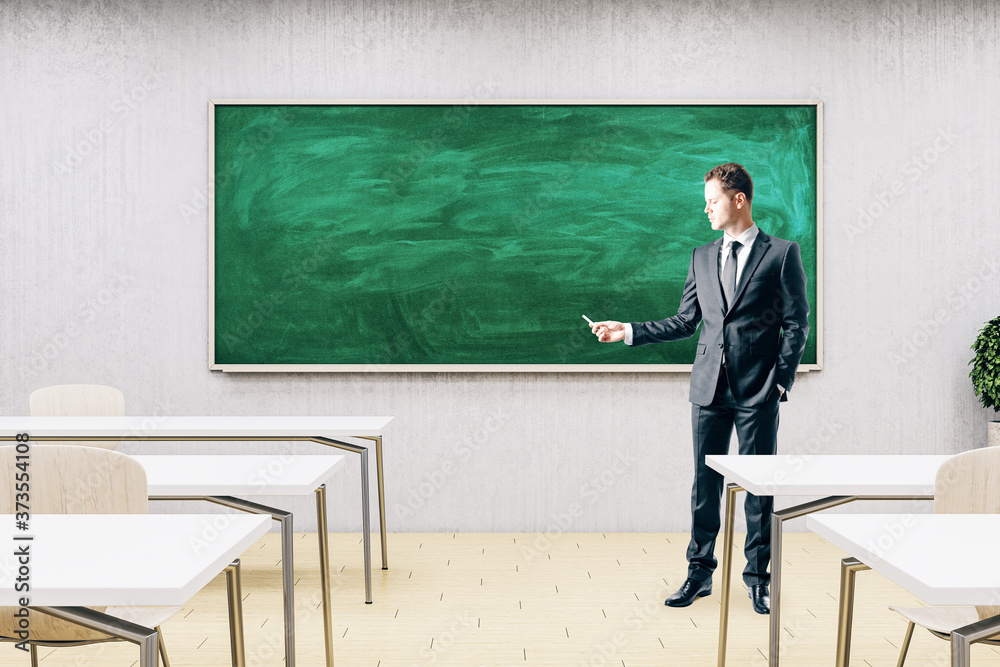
point(985, 373)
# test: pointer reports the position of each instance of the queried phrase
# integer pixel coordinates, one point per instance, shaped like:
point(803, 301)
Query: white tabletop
point(237, 474)
point(124, 559)
point(944, 559)
point(832, 474)
point(193, 427)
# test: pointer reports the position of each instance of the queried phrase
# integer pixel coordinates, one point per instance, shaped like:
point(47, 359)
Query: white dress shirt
point(746, 238)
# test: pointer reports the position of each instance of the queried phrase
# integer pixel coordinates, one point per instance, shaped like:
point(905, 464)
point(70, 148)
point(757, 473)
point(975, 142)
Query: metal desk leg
point(235, 594)
point(366, 527)
point(727, 568)
point(377, 439)
point(287, 560)
point(365, 516)
point(963, 638)
point(777, 521)
point(381, 501)
point(324, 571)
point(116, 627)
point(163, 647)
point(849, 567)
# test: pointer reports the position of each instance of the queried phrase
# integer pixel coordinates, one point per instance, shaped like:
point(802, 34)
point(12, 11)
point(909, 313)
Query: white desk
point(121, 560)
point(216, 478)
point(840, 478)
point(944, 559)
point(237, 474)
point(322, 430)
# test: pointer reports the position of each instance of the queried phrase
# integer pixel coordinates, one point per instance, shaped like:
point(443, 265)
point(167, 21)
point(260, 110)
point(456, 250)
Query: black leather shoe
point(760, 598)
point(689, 591)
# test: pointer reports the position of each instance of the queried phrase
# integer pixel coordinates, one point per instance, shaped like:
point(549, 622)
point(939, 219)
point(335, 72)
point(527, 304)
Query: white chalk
point(588, 320)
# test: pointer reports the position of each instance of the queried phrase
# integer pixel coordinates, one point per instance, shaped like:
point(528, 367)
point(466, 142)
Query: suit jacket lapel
point(713, 273)
point(757, 250)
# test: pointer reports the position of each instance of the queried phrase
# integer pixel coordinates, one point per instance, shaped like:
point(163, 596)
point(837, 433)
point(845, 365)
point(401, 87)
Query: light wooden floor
point(586, 600)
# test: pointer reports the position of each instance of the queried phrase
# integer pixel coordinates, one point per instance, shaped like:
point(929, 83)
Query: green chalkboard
point(443, 236)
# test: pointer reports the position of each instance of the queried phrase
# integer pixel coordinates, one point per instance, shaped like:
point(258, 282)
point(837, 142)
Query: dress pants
point(757, 432)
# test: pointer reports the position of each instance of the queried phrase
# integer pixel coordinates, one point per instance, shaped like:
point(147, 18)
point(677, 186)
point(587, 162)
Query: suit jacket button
point(721, 346)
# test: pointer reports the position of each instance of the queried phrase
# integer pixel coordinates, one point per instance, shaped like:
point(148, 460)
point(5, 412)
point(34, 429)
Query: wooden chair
point(78, 400)
point(79, 480)
point(968, 483)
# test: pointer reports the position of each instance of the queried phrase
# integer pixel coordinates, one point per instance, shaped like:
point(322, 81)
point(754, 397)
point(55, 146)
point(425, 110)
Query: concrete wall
point(103, 173)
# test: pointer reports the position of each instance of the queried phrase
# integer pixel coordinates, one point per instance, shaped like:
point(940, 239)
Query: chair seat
point(939, 619)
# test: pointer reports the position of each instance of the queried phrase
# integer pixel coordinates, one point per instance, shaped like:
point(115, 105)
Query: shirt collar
point(745, 239)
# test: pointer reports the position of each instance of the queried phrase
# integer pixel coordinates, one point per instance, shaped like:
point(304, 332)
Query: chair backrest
point(969, 483)
point(78, 400)
point(72, 480)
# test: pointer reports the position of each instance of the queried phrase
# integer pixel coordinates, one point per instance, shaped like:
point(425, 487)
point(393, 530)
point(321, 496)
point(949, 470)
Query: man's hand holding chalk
point(607, 331)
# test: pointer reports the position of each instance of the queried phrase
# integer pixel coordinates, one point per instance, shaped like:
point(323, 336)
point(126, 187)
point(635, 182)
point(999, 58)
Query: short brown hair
point(733, 177)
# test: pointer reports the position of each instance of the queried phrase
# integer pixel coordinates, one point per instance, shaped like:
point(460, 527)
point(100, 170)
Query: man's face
point(719, 206)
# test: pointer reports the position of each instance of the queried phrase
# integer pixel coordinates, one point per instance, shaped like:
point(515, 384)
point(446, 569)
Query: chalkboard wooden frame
point(379, 365)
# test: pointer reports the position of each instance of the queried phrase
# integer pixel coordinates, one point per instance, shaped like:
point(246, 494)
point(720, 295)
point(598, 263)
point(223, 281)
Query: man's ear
point(740, 200)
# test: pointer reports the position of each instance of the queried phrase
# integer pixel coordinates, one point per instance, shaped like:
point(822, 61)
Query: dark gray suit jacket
point(763, 333)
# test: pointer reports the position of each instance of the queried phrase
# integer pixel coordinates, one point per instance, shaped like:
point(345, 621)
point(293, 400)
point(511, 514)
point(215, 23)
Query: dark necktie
point(729, 273)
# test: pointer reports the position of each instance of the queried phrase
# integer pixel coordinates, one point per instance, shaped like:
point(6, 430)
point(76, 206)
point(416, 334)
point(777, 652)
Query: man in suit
point(749, 291)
